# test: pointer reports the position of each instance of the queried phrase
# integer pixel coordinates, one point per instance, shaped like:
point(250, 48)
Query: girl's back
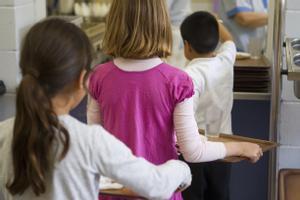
point(92, 152)
point(141, 103)
point(66, 180)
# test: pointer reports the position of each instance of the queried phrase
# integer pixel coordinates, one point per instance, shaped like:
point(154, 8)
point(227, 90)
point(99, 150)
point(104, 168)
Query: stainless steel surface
point(293, 58)
point(7, 106)
point(297, 89)
point(252, 96)
point(293, 63)
point(296, 44)
point(279, 7)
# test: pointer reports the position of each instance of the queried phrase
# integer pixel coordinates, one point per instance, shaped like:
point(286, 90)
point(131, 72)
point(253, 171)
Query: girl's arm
point(93, 111)
point(113, 159)
point(196, 148)
point(225, 35)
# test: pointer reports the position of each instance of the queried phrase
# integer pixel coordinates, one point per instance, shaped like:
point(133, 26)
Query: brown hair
point(53, 56)
point(138, 29)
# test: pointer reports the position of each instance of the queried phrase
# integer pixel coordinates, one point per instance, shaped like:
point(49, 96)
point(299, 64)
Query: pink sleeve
point(182, 87)
point(193, 146)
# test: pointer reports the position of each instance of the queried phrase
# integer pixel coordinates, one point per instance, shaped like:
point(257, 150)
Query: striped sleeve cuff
point(236, 10)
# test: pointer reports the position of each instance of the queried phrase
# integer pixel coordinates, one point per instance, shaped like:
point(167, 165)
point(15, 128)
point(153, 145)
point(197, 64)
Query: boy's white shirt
point(213, 85)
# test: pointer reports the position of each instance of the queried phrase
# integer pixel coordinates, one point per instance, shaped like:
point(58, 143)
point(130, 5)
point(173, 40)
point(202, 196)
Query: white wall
point(289, 127)
point(16, 17)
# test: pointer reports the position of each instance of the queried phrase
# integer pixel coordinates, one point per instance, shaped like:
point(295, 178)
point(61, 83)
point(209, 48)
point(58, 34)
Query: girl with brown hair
point(47, 154)
point(142, 100)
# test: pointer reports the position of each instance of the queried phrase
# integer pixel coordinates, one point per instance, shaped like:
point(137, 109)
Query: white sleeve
point(93, 111)
point(179, 10)
point(199, 87)
point(193, 146)
point(233, 7)
point(227, 52)
point(196, 100)
point(114, 160)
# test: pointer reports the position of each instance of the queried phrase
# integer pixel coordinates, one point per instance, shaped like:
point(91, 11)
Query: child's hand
point(248, 150)
point(251, 151)
point(187, 180)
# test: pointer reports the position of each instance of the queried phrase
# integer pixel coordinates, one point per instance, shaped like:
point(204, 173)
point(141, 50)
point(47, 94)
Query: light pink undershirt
point(193, 146)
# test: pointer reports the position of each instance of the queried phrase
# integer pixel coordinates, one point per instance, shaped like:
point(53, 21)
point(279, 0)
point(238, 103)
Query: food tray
point(124, 192)
point(265, 145)
point(253, 63)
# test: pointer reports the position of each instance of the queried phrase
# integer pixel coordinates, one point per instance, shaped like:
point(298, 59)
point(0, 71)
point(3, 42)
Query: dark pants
point(210, 181)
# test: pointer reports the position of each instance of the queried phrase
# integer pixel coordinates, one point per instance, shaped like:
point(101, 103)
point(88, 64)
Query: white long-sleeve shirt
point(193, 146)
point(213, 86)
point(93, 152)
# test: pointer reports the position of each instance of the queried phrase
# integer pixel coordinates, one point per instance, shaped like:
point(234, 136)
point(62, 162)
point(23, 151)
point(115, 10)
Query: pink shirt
point(137, 107)
point(152, 93)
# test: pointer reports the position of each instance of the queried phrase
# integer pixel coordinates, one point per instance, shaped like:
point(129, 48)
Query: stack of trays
point(252, 75)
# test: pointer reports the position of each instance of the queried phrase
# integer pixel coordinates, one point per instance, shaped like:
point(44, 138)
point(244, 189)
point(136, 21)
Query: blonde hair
point(138, 29)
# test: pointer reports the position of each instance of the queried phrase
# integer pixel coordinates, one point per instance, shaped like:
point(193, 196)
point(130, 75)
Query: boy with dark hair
point(212, 74)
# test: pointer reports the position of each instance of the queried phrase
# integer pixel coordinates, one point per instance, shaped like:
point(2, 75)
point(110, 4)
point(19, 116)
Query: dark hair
point(54, 54)
point(201, 31)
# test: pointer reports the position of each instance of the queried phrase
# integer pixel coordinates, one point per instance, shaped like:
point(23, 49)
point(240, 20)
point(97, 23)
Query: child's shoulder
point(228, 51)
point(79, 131)
point(172, 72)
point(7, 123)
point(179, 81)
point(100, 71)
point(6, 130)
point(102, 68)
point(74, 124)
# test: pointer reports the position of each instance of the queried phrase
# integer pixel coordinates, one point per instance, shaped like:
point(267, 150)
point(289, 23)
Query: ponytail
point(53, 56)
point(36, 127)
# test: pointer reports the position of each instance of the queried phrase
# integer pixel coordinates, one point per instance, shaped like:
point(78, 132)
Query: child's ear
point(187, 46)
point(82, 79)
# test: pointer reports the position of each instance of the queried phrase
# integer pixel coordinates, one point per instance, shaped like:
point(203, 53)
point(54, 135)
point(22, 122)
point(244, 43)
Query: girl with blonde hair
point(142, 100)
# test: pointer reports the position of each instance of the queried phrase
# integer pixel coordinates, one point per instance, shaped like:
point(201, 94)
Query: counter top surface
point(260, 63)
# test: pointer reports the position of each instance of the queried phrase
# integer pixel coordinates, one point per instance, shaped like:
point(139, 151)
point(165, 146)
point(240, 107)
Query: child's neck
point(61, 105)
point(202, 55)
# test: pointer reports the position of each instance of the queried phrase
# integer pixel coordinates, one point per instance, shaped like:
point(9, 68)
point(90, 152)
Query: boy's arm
point(227, 50)
point(225, 35)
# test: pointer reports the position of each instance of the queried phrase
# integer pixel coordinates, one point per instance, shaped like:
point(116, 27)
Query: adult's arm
point(251, 19)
